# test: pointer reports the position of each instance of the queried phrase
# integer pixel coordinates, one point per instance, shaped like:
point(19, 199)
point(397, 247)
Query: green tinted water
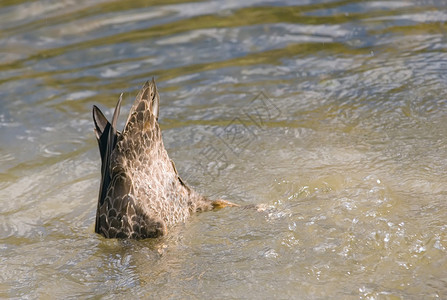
point(331, 113)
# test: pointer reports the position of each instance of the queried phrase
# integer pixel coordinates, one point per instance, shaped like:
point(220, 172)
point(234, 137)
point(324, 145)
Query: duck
point(141, 194)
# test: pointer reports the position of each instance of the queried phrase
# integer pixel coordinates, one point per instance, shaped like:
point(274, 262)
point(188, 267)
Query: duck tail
point(106, 135)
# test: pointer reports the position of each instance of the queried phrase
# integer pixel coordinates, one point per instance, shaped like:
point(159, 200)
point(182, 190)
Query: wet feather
point(141, 194)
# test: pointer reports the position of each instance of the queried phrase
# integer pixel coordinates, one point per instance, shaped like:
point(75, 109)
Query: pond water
point(331, 114)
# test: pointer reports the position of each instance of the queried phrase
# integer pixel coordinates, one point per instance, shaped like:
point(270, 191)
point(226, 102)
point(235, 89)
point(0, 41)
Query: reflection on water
point(330, 113)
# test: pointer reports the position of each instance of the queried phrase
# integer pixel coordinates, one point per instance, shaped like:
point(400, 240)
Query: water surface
point(332, 114)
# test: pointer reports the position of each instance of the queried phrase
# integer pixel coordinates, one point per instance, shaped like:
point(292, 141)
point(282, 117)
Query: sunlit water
point(332, 114)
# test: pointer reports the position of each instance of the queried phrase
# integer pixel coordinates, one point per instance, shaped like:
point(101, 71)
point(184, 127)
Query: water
point(329, 113)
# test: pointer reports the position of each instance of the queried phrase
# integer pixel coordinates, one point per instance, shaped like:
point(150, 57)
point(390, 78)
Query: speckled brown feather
point(141, 193)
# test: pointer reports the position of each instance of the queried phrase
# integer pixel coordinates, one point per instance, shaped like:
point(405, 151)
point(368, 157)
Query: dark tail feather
point(100, 121)
point(106, 134)
point(102, 127)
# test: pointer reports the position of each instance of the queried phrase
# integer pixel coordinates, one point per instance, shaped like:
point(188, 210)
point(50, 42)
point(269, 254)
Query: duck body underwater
point(141, 194)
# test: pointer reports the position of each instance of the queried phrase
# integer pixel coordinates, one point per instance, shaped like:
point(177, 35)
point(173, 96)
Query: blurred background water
point(331, 113)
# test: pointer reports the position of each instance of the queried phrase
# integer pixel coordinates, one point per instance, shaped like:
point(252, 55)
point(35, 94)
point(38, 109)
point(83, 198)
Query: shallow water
point(329, 113)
